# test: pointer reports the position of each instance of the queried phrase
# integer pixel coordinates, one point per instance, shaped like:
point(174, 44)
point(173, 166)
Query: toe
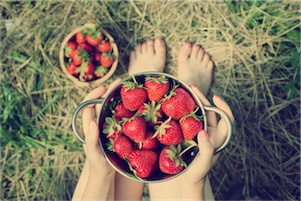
point(210, 65)
point(206, 59)
point(201, 54)
point(159, 46)
point(132, 55)
point(150, 46)
point(144, 48)
point(194, 51)
point(138, 49)
point(185, 51)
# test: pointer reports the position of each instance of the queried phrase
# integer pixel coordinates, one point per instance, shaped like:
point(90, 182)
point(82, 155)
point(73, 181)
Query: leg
point(150, 56)
point(194, 67)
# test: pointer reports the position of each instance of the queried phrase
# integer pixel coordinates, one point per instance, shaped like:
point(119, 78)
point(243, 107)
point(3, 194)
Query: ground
point(255, 46)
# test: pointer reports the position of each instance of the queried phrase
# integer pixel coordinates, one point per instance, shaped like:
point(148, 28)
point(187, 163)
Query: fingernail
point(203, 135)
point(194, 85)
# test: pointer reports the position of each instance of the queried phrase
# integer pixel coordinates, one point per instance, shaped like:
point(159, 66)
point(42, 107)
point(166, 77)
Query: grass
point(256, 49)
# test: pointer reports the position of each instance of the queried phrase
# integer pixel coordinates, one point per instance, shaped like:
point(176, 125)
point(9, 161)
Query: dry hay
point(249, 75)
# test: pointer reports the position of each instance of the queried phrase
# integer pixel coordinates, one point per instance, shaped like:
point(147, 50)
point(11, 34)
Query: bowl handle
point(228, 122)
point(78, 109)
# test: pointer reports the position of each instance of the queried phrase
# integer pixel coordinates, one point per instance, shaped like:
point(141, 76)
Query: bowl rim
point(97, 81)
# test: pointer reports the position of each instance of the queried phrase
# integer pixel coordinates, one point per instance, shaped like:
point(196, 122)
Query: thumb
point(206, 149)
point(91, 145)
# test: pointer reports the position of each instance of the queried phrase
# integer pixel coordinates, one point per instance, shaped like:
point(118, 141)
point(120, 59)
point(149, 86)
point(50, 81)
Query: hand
point(187, 185)
point(95, 157)
point(217, 133)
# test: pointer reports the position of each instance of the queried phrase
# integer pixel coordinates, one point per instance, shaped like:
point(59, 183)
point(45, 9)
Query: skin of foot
point(195, 66)
point(148, 56)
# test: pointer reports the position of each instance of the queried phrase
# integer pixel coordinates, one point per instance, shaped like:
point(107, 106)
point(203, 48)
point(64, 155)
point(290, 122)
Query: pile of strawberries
point(89, 55)
point(154, 122)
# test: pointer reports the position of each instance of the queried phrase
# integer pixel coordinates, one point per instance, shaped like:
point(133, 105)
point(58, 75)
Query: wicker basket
point(97, 81)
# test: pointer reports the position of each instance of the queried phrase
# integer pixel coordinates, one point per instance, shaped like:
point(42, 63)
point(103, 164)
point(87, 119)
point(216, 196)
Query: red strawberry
point(133, 95)
point(97, 56)
point(79, 56)
point(69, 49)
point(72, 45)
point(104, 46)
point(106, 60)
point(142, 162)
point(123, 146)
point(190, 124)
point(72, 69)
point(170, 161)
point(121, 112)
point(169, 132)
point(135, 129)
point(178, 104)
point(150, 142)
point(111, 128)
point(86, 70)
point(151, 112)
point(156, 87)
point(86, 47)
point(80, 37)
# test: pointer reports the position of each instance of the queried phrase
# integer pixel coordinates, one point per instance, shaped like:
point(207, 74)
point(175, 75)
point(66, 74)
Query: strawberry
point(133, 95)
point(156, 87)
point(142, 162)
point(86, 47)
point(100, 71)
point(170, 161)
point(80, 37)
point(178, 103)
point(149, 142)
point(190, 124)
point(151, 112)
point(72, 45)
point(86, 70)
point(135, 129)
point(121, 112)
point(123, 146)
point(72, 69)
point(97, 56)
point(69, 49)
point(111, 128)
point(107, 60)
point(169, 132)
point(104, 46)
point(79, 56)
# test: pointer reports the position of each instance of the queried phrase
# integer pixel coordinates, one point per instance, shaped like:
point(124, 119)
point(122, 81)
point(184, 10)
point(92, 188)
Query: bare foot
point(195, 66)
point(148, 56)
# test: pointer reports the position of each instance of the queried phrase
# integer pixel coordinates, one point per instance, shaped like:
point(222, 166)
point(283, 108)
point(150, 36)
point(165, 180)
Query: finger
point(96, 93)
point(92, 147)
point(206, 150)
point(222, 127)
point(211, 116)
point(111, 86)
point(221, 104)
point(88, 112)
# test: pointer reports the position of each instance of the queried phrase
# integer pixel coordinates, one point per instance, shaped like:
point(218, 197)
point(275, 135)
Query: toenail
point(159, 41)
point(187, 45)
